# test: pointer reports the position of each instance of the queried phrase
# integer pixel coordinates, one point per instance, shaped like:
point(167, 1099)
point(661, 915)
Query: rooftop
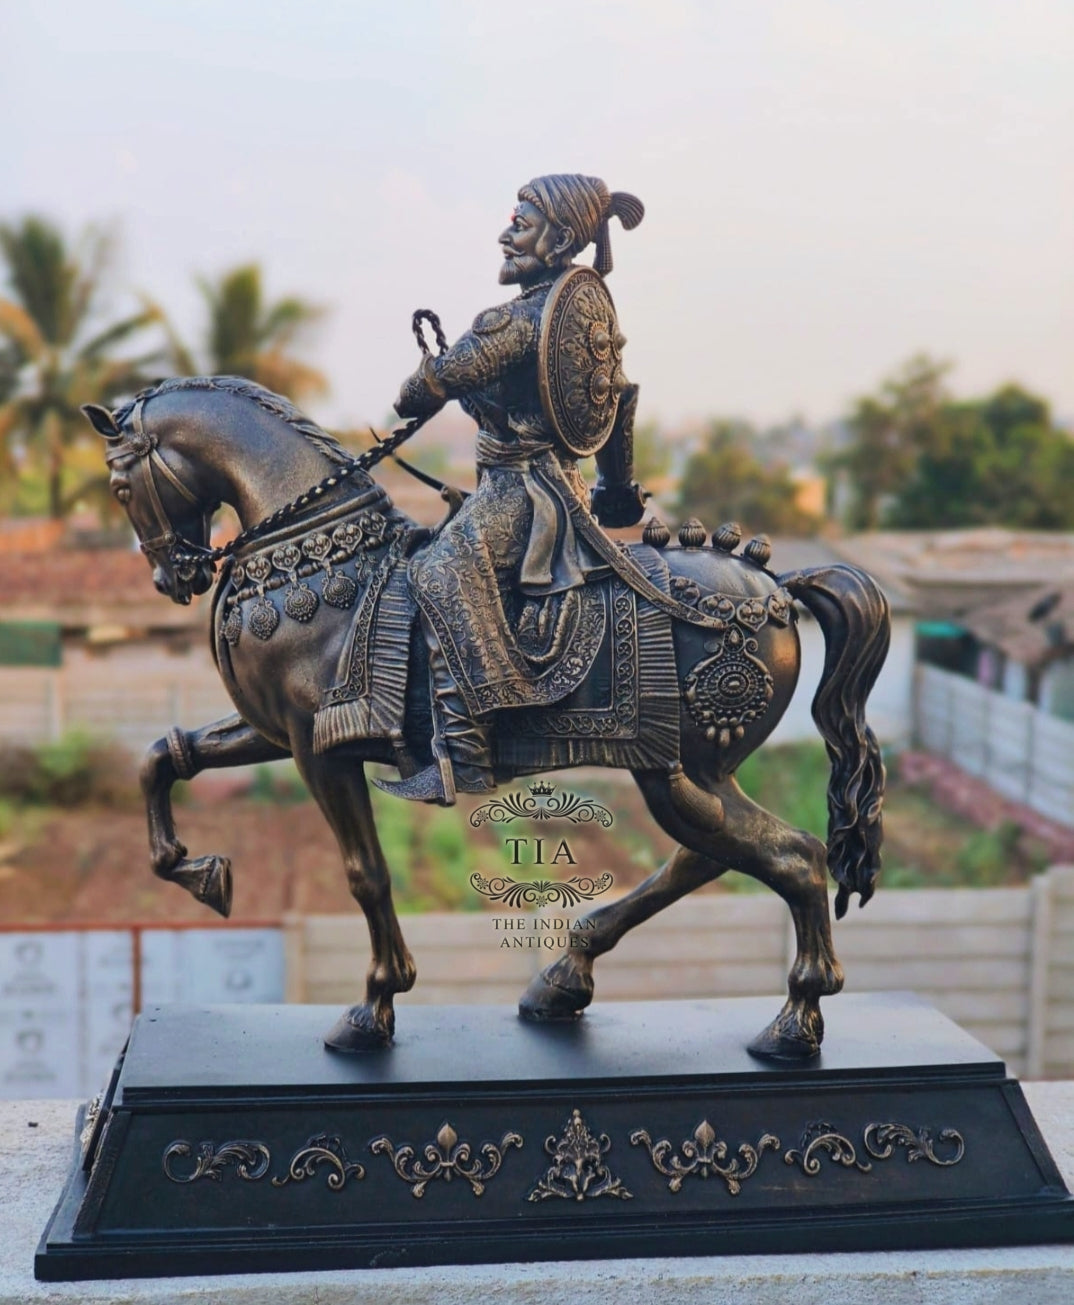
point(80, 588)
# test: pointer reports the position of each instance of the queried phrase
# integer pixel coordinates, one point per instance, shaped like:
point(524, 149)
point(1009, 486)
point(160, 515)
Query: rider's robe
point(496, 583)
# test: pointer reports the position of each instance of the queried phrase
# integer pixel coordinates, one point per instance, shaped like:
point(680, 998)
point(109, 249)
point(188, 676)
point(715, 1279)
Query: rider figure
point(495, 584)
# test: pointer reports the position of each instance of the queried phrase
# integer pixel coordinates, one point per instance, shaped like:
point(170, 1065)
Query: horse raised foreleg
point(792, 863)
point(343, 795)
point(182, 755)
point(565, 988)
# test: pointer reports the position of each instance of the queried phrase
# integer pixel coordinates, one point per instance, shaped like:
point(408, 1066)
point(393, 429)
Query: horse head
point(171, 518)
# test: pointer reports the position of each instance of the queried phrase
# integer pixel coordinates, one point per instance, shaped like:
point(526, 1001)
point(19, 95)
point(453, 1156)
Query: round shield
point(579, 358)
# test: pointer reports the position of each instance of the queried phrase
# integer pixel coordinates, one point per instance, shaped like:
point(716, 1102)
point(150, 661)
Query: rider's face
point(531, 245)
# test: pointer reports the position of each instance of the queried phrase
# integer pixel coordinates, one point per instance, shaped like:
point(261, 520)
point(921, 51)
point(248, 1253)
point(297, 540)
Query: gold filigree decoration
point(704, 1154)
point(882, 1139)
point(879, 1142)
point(578, 1171)
point(251, 1160)
point(445, 1158)
point(89, 1123)
point(820, 1139)
point(325, 1150)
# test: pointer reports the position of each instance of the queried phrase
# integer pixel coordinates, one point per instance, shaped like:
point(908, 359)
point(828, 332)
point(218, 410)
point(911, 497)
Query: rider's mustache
point(519, 264)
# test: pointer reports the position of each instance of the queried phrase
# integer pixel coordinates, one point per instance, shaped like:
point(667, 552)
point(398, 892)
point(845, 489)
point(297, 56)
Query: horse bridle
point(141, 446)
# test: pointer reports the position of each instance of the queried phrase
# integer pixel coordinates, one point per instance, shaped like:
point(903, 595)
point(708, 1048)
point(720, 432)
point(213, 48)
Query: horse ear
point(101, 420)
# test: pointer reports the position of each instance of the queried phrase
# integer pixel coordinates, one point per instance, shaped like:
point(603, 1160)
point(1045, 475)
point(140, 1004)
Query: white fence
point(999, 961)
point(1019, 750)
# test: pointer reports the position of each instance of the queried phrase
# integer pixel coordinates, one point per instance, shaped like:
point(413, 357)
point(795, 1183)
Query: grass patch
point(925, 846)
point(791, 782)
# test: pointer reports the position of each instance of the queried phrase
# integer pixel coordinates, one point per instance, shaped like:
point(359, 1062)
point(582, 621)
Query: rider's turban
point(584, 204)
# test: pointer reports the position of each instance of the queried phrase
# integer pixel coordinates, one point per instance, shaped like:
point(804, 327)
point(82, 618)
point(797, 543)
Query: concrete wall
point(130, 692)
point(1018, 749)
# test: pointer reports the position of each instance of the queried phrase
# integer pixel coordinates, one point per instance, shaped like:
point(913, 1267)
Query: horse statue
point(678, 679)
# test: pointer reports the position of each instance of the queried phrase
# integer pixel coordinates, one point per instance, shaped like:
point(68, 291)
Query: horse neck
point(250, 459)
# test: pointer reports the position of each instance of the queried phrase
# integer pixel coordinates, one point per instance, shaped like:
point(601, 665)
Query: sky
point(830, 186)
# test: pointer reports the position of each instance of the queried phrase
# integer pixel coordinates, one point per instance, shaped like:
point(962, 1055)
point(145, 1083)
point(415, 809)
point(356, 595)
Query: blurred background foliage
point(911, 455)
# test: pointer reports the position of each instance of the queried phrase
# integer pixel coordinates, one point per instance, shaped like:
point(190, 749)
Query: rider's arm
point(499, 338)
point(618, 499)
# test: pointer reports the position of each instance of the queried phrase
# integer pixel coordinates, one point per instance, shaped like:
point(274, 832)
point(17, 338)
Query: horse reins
point(143, 446)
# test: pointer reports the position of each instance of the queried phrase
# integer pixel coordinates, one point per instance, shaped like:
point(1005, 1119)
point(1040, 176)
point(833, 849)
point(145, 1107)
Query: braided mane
point(275, 404)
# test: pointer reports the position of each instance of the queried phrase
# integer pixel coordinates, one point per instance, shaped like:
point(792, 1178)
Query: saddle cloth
point(622, 708)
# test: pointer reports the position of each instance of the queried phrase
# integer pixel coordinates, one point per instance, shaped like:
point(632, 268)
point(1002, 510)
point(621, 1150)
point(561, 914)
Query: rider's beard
point(520, 268)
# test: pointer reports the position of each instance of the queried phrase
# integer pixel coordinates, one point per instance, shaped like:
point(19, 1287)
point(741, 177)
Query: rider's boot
point(462, 756)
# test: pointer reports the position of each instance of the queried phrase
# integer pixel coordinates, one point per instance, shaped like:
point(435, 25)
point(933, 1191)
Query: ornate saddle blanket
point(625, 712)
point(618, 693)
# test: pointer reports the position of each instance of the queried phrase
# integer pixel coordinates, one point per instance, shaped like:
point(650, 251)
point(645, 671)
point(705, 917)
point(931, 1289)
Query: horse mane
point(275, 404)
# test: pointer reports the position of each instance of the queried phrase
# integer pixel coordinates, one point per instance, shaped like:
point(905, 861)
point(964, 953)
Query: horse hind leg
point(182, 754)
point(564, 989)
point(342, 793)
point(787, 860)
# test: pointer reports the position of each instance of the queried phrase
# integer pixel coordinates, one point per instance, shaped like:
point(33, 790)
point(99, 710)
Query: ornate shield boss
point(579, 358)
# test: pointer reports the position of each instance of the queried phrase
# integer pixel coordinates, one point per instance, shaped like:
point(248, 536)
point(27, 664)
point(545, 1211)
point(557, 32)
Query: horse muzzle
point(181, 586)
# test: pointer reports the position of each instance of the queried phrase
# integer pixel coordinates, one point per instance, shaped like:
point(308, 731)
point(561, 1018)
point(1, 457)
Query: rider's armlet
point(499, 339)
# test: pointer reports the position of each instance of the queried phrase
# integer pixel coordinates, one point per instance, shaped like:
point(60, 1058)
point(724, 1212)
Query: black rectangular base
point(231, 1141)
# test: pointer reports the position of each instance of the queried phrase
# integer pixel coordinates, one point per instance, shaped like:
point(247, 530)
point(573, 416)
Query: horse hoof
point(218, 886)
point(358, 1029)
point(209, 880)
point(792, 1036)
point(559, 992)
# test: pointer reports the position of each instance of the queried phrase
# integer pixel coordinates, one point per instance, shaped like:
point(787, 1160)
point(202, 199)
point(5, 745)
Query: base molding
point(230, 1141)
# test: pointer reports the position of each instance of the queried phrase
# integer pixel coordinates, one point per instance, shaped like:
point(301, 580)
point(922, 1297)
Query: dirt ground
point(91, 864)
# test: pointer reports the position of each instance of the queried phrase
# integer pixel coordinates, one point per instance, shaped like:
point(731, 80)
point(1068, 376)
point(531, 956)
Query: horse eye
point(123, 494)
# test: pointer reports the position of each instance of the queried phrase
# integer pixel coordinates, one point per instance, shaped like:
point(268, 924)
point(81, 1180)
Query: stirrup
point(429, 785)
point(426, 786)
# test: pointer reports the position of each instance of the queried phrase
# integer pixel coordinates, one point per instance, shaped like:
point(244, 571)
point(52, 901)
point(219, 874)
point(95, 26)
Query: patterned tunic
point(500, 583)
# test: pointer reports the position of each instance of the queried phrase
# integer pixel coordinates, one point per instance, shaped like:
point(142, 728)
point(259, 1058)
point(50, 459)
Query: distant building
point(1023, 647)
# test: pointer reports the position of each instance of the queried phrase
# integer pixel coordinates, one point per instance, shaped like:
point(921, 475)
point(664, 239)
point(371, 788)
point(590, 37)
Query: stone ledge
point(34, 1161)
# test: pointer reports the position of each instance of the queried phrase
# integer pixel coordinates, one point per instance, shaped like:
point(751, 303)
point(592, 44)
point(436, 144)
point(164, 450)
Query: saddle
point(608, 692)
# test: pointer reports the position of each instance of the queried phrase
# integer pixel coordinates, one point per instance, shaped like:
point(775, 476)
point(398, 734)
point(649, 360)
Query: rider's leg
point(463, 758)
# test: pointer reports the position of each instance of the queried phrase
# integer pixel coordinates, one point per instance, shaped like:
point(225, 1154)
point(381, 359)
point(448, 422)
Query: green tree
point(725, 478)
point(888, 431)
point(56, 353)
point(652, 454)
point(920, 459)
point(247, 336)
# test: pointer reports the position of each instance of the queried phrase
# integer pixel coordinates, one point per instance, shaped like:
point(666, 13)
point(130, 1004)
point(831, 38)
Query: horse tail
point(855, 616)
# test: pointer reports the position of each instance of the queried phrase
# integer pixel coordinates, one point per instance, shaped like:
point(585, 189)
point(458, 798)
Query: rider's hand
point(617, 506)
point(421, 394)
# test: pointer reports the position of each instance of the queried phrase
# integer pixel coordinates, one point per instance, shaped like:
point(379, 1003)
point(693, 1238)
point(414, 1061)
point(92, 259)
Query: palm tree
point(249, 337)
point(56, 354)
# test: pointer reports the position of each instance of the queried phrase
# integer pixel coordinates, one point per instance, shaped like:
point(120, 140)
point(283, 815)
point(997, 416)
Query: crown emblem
point(542, 789)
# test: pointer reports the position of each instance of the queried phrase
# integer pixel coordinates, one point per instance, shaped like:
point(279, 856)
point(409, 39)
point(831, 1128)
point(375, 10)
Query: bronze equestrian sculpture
point(342, 633)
